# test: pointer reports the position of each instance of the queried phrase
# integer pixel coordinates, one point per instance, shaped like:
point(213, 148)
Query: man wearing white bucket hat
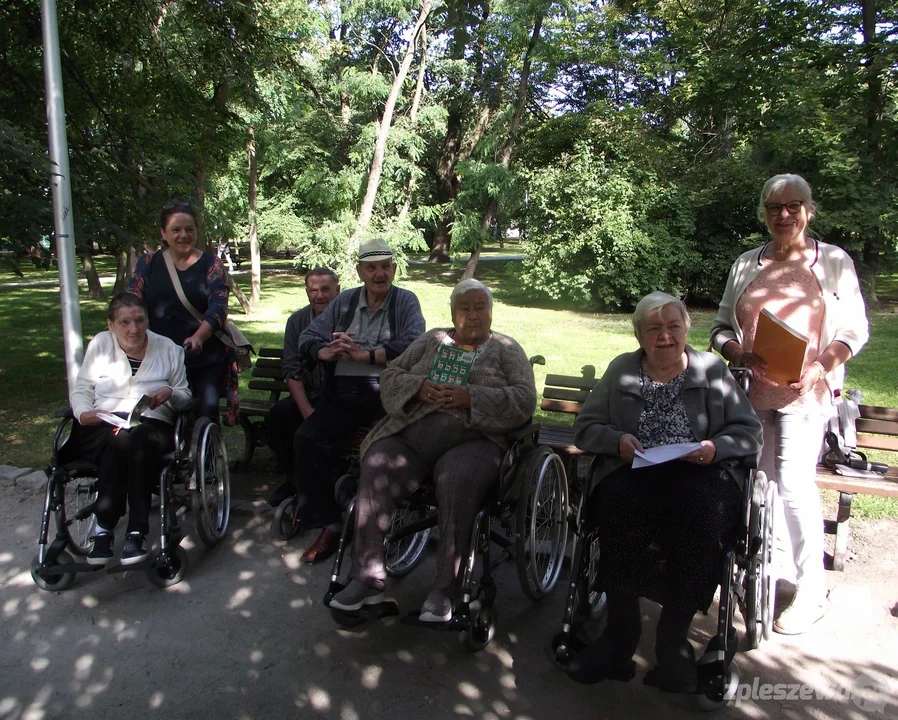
point(355, 337)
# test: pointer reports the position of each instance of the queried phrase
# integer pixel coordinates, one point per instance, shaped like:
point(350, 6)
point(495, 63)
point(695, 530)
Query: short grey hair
point(777, 184)
point(467, 286)
point(656, 301)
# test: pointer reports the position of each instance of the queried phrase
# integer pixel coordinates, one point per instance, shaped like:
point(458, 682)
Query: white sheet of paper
point(663, 454)
point(113, 420)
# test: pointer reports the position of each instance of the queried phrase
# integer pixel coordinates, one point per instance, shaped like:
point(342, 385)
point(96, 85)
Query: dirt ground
point(245, 636)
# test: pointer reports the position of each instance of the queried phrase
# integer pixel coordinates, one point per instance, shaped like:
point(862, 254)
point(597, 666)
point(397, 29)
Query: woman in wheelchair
point(661, 527)
point(447, 418)
point(122, 365)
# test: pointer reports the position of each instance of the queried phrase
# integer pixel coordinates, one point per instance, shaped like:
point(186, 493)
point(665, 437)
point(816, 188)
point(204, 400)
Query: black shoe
point(675, 671)
point(595, 663)
point(280, 494)
point(101, 549)
point(135, 549)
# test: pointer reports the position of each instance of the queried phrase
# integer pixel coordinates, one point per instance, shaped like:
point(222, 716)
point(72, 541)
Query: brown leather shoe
point(324, 546)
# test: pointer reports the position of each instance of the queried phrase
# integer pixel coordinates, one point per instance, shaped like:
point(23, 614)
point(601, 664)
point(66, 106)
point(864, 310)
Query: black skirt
point(662, 530)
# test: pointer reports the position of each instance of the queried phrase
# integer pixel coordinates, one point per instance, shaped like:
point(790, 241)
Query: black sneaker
point(135, 549)
point(101, 549)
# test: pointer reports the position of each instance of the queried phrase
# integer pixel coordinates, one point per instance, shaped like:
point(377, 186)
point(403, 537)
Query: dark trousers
point(207, 383)
point(131, 462)
point(317, 447)
point(624, 627)
point(284, 420)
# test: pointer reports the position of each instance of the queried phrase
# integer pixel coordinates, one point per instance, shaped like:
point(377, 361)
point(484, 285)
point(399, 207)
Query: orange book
point(782, 347)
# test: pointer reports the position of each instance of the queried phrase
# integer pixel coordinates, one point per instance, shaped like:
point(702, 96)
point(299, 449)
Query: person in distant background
point(813, 287)
point(322, 286)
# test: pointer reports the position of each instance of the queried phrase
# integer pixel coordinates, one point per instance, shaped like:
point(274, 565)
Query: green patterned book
point(452, 364)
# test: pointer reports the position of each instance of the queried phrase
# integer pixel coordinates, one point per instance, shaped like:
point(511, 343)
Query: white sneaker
point(801, 615)
point(436, 609)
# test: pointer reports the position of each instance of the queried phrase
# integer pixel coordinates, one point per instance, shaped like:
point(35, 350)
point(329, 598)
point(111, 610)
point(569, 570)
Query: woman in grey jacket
point(812, 286)
point(661, 527)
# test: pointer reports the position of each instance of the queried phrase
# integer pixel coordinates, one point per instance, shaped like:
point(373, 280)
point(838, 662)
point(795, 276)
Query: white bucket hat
point(375, 250)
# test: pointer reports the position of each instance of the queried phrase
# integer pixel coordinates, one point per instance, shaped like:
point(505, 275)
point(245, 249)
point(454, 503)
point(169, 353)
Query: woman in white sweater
point(122, 365)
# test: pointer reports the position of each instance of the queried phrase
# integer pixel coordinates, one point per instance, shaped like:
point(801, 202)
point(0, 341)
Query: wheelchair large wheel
point(210, 500)
point(768, 576)
point(405, 553)
point(53, 583)
point(75, 497)
point(589, 602)
point(541, 523)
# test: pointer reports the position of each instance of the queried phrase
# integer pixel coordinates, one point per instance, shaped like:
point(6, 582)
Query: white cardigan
point(845, 315)
point(105, 381)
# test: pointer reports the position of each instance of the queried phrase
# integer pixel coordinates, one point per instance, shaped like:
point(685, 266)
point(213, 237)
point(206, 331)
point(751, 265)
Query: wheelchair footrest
point(458, 623)
point(55, 570)
point(387, 608)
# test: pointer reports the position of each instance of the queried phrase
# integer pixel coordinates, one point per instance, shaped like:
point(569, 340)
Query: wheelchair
point(525, 516)
point(195, 475)
point(746, 581)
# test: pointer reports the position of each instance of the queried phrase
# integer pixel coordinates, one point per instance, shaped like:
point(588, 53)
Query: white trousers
point(792, 445)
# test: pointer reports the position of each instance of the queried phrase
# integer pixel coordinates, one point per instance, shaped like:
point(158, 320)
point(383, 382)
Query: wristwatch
point(371, 358)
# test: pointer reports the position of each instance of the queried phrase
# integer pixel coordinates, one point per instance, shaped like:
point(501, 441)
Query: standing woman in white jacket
point(813, 287)
point(120, 366)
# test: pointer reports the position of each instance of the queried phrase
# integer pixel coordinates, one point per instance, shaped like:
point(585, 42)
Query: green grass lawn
point(32, 375)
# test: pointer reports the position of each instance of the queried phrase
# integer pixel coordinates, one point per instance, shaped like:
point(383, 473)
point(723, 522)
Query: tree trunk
point(255, 257)
point(873, 62)
point(413, 119)
point(94, 289)
point(122, 273)
point(238, 293)
point(492, 205)
point(380, 144)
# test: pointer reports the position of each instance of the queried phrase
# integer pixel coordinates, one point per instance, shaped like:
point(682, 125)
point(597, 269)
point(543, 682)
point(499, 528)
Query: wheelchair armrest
point(520, 433)
point(189, 405)
point(64, 413)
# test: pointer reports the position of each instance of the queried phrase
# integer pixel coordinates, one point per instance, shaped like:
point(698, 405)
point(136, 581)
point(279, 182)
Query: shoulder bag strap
point(179, 290)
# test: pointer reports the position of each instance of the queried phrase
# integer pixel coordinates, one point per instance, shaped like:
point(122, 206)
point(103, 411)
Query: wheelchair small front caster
point(481, 630)
point(285, 524)
point(58, 580)
point(164, 575)
point(709, 702)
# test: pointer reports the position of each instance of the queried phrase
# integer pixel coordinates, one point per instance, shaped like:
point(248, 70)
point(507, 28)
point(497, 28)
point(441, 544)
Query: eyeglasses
point(793, 207)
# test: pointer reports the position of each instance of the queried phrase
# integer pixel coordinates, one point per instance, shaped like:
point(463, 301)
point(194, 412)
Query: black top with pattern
point(663, 420)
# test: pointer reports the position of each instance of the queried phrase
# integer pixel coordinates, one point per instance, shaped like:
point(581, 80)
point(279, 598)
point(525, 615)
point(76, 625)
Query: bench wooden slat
point(264, 362)
point(877, 442)
point(254, 407)
point(561, 406)
point(559, 438)
point(554, 393)
point(275, 373)
point(571, 381)
point(884, 487)
point(267, 386)
point(879, 427)
point(875, 412)
point(271, 352)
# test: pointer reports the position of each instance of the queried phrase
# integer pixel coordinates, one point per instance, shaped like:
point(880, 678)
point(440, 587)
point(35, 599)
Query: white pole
point(62, 196)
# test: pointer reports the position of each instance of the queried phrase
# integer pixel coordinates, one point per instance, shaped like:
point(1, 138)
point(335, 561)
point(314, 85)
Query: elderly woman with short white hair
point(447, 418)
point(812, 286)
point(661, 527)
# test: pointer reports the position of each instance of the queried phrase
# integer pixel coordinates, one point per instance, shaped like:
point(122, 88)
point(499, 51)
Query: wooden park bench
point(267, 376)
point(565, 394)
point(877, 429)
